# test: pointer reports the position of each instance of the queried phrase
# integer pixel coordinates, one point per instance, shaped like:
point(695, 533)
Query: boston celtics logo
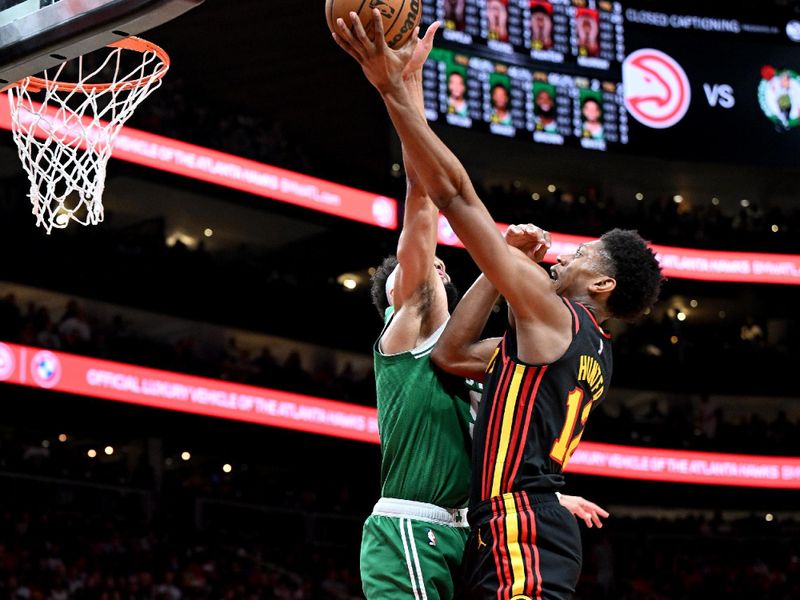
point(779, 96)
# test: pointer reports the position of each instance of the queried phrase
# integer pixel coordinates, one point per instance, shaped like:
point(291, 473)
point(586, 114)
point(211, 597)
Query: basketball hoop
point(66, 139)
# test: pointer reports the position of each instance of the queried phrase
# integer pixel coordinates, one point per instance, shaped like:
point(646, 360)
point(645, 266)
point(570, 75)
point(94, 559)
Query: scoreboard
point(543, 105)
point(605, 75)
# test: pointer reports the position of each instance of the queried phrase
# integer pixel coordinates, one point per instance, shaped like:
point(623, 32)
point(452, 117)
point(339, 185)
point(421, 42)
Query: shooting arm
point(525, 285)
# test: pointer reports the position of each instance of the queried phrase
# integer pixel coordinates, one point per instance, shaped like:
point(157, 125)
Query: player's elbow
point(457, 361)
point(444, 190)
point(445, 357)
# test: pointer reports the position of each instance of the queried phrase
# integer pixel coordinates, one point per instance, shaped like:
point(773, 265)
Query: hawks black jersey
point(531, 417)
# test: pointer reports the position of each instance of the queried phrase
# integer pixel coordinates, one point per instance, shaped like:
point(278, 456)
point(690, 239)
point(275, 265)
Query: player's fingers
point(380, 40)
point(361, 33)
point(534, 231)
point(596, 509)
point(346, 36)
point(430, 32)
point(414, 40)
point(346, 47)
point(597, 521)
point(548, 240)
point(410, 47)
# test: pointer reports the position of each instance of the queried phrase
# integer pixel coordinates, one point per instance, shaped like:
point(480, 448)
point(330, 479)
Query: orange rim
point(36, 84)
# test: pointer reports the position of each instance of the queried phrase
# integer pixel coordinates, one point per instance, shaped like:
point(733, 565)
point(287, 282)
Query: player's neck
point(598, 310)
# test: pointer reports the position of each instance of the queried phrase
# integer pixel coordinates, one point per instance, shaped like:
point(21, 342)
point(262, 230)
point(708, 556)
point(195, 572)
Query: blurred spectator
point(74, 328)
point(751, 332)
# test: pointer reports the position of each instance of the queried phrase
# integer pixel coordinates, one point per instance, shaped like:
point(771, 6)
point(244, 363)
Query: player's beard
point(452, 296)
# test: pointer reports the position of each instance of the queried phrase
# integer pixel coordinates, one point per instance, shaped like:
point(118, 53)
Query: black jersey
point(531, 417)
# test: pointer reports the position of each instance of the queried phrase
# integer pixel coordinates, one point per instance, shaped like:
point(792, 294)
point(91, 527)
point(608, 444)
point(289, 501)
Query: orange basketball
point(400, 17)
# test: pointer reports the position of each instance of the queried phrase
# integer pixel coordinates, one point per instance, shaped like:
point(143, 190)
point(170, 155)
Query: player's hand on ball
point(533, 241)
point(583, 509)
point(382, 66)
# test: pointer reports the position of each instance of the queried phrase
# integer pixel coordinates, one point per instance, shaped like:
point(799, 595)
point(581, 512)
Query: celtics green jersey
point(424, 422)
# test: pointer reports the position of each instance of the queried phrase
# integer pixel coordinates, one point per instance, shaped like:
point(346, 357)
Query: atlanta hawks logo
point(657, 91)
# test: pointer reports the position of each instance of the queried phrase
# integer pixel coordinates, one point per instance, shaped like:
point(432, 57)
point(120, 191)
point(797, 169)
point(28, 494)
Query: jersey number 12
point(567, 441)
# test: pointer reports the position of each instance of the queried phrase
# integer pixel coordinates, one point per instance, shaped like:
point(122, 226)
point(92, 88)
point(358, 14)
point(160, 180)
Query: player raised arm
point(525, 285)
point(419, 301)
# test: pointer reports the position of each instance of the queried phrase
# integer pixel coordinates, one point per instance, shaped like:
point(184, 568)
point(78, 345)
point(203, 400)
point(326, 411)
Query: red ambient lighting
point(227, 170)
point(203, 164)
point(683, 263)
point(61, 372)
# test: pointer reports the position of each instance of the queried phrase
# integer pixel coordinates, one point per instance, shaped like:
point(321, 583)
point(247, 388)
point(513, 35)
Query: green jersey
point(425, 424)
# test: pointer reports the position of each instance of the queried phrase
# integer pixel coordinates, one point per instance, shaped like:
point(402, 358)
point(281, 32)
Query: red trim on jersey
point(527, 422)
point(526, 501)
point(525, 543)
point(503, 551)
point(493, 432)
point(575, 318)
point(516, 450)
point(596, 324)
point(495, 539)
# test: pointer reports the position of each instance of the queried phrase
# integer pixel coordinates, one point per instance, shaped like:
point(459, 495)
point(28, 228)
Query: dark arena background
point(188, 402)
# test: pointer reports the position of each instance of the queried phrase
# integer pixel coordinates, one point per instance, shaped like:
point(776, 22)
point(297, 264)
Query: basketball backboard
point(39, 34)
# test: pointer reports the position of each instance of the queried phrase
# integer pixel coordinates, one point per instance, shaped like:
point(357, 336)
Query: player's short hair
point(500, 85)
point(633, 264)
point(381, 300)
point(590, 99)
point(378, 290)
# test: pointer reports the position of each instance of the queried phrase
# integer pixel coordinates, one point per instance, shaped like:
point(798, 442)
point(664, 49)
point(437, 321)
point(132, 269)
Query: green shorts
point(411, 550)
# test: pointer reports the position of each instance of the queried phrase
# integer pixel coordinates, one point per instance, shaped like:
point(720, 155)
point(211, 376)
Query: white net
point(66, 137)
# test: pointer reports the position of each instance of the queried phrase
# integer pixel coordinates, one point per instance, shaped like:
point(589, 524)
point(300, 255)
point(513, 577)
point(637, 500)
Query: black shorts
point(522, 546)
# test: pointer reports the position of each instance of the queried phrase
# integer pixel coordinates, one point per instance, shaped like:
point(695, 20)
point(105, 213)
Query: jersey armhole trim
point(596, 324)
point(576, 322)
point(423, 349)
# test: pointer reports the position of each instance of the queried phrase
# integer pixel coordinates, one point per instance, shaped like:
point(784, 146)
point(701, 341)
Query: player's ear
point(602, 285)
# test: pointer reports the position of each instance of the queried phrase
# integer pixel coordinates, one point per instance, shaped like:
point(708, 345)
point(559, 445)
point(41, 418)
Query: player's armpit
point(418, 296)
point(416, 248)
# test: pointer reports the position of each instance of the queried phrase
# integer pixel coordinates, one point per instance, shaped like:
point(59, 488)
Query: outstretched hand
point(421, 52)
point(533, 241)
point(583, 509)
point(383, 67)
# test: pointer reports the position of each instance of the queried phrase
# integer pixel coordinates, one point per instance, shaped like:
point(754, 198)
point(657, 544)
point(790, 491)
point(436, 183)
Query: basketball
point(400, 17)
